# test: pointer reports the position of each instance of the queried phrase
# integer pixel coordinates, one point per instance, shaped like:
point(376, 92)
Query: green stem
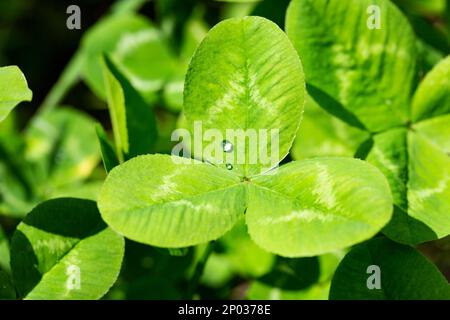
point(66, 81)
point(199, 268)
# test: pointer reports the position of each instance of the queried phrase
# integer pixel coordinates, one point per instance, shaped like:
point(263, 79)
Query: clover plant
point(368, 78)
point(343, 95)
point(304, 208)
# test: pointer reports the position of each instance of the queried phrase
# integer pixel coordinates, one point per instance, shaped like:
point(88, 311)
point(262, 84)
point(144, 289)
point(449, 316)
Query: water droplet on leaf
point(229, 166)
point(227, 146)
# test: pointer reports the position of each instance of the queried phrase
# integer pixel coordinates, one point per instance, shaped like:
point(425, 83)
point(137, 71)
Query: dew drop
point(229, 166)
point(227, 146)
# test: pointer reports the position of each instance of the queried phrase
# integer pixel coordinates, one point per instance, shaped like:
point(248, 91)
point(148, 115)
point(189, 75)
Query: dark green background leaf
point(405, 274)
point(58, 239)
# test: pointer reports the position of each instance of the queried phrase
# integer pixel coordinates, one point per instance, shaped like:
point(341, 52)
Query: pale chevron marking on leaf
point(227, 103)
point(428, 192)
point(167, 185)
point(259, 100)
point(345, 62)
point(324, 187)
point(53, 245)
point(366, 50)
point(201, 207)
point(386, 162)
point(306, 215)
point(346, 66)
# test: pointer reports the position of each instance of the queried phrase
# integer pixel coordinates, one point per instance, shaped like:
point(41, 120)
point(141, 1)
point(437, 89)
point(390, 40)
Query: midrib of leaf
point(408, 168)
point(391, 107)
point(120, 135)
point(311, 206)
point(405, 201)
point(246, 73)
point(61, 258)
point(247, 91)
point(405, 183)
point(405, 210)
point(145, 207)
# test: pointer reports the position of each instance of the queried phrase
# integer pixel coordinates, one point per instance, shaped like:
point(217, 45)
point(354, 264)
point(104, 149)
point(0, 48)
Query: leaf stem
point(66, 81)
point(199, 268)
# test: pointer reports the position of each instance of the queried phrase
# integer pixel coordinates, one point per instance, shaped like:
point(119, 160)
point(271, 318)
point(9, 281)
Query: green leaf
point(390, 154)
point(13, 89)
point(246, 258)
point(137, 48)
point(166, 125)
point(436, 130)
point(132, 119)
point(262, 291)
point(418, 174)
point(430, 56)
point(241, 254)
point(151, 273)
point(16, 183)
point(429, 185)
point(293, 274)
point(194, 32)
point(56, 153)
point(432, 97)
point(218, 272)
point(424, 7)
point(245, 76)
point(316, 206)
point(321, 134)
point(4, 251)
point(369, 72)
point(171, 202)
point(297, 279)
point(173, 91)
point(6, 287)
point(108, 154)
point(88, 190)
point(61, 145)
point(238, 9)
point(404, 274)
point(63, 250)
